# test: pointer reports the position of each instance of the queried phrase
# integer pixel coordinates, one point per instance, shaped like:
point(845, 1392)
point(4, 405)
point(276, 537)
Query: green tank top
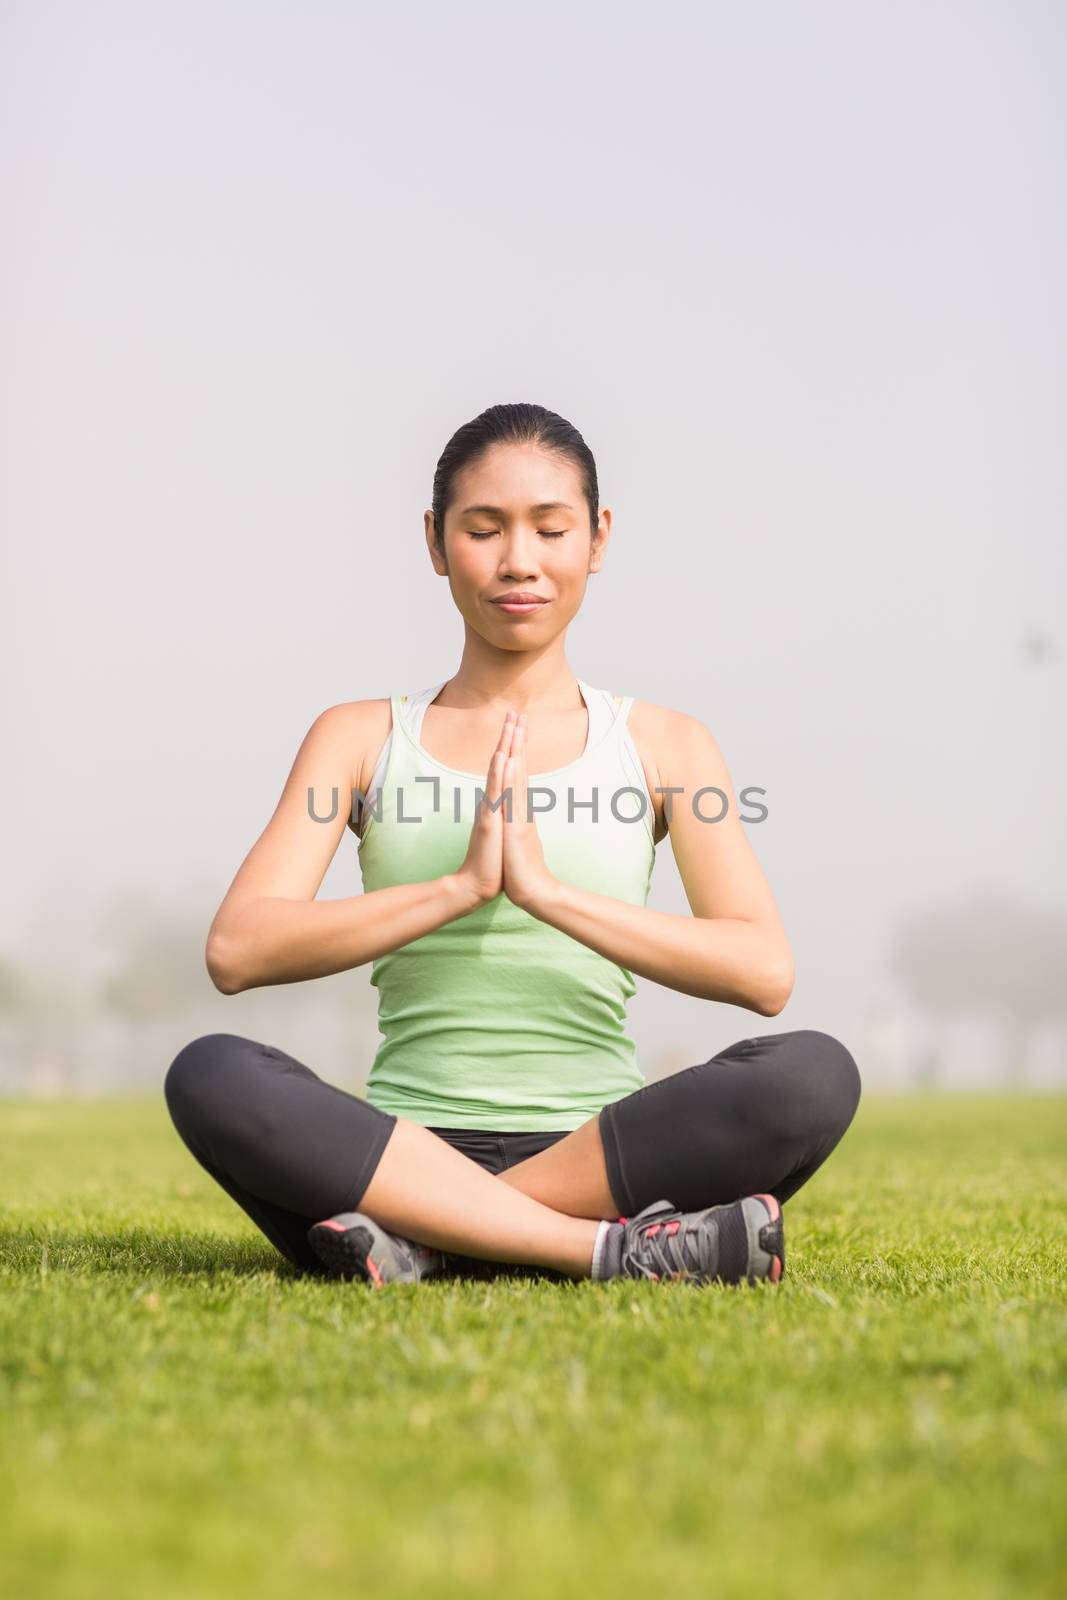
point(496, 1019)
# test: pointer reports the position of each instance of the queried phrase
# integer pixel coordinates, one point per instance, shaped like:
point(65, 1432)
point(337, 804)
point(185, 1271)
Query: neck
point(489, 679)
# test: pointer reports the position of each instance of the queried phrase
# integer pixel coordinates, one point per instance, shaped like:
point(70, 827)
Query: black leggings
point(292, 1149)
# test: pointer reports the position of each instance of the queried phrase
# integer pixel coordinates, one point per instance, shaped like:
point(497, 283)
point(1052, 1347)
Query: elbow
point(221, 965)
point(776, 989)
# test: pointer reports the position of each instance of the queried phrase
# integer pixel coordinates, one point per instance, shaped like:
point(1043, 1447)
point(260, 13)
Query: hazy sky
point(796, 273)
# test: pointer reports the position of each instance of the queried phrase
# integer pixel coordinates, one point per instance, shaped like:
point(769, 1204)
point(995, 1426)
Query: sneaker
point(354, 1245)
point(737, 1243)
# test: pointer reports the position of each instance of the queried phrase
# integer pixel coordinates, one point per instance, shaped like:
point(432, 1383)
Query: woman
point(507, 822)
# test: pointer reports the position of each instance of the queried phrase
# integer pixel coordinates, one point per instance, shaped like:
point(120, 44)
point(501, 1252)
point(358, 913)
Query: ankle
point(607, 1250)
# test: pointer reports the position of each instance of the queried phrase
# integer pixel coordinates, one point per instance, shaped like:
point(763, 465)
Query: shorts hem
point(383, 1131)
point(621, 1193)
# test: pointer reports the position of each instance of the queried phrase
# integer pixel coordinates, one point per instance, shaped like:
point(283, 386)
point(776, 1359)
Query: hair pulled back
point(520, 423)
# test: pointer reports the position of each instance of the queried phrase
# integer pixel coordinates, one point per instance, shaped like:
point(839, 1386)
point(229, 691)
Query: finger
point(496, 772)
point(507, 810)
point(522, 775)
point(503, 746)
point(497, 784)
point(504, 741)
point(514, 781)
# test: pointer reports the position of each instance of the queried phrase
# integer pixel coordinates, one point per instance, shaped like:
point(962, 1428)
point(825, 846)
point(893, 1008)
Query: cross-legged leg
point(292, 1149)
point(760, 1117)
point(284, 1144)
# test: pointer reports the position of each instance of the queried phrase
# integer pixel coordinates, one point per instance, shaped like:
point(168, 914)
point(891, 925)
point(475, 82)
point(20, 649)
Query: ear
point(437, 554)
point(600, 540)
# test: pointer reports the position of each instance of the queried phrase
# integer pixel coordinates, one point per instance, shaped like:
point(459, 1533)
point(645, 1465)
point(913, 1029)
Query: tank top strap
point(385, 759)
point(413, 707)
point(620, 711)
point(625, 751)
point(406, 709)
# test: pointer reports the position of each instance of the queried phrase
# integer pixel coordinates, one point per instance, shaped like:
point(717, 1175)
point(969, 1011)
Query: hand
point(527, 880)
point(482, 871)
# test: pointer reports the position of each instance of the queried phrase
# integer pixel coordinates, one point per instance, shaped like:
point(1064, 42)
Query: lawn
point(185, 1416)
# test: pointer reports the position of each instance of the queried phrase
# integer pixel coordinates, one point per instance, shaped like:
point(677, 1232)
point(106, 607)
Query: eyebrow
point(498, 511)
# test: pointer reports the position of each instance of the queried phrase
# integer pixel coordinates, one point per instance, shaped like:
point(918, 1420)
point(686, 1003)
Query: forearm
point(715, 958)
point(269, 940)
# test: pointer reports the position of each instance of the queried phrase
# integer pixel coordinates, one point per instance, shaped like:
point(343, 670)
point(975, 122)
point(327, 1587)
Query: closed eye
point(545, 533)
point(487, 533)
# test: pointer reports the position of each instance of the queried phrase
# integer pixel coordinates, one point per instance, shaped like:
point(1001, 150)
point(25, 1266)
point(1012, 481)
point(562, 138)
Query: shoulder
point(667, 737)
point(672, 746)
point(350, 717)
point(352, 731)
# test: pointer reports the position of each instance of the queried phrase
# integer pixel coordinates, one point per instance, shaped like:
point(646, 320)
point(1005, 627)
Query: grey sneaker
point(354, 1245)
point(740, 1242)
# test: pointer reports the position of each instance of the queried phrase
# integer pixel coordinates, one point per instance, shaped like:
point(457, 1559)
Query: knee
point(832, 1080)
point(194, 1069)
point(816, 1086)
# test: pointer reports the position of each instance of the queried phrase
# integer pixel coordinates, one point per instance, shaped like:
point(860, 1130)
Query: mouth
point(519, 608)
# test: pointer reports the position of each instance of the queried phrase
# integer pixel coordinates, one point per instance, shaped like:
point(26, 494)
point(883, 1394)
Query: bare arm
point(734, 947)
point(270, 929)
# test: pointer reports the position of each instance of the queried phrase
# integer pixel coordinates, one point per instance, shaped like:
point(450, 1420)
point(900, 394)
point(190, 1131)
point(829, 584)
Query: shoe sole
point(766, 1237)
point(346, 1251)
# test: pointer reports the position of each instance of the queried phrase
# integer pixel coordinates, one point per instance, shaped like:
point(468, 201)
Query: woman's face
point(518, 524)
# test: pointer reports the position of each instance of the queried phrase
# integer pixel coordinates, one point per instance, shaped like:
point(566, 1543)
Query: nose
point(518, 557)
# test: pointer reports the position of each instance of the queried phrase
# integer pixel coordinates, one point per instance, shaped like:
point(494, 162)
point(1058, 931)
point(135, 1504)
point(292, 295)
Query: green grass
point(185, 1416)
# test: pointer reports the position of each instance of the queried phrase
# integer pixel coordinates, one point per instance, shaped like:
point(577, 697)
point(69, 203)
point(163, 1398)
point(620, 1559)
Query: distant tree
point(989, 954)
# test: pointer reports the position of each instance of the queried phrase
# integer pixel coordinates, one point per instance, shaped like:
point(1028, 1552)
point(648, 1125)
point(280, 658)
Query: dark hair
point(512, 424)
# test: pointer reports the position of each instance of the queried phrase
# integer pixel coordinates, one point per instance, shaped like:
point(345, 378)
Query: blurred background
point(794, 272)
